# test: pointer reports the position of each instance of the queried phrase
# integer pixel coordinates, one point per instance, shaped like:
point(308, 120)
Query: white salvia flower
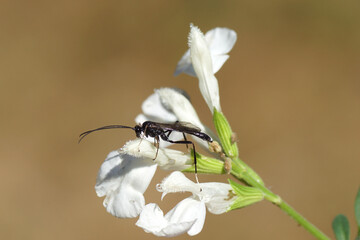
point(202, 63)
point(168, 105)
point(188, 215)
point(125, 175)
point(123, 179)
point(220, 41)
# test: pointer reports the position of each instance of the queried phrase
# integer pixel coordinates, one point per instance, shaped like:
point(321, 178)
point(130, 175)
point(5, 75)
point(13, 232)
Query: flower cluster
point(126, 173)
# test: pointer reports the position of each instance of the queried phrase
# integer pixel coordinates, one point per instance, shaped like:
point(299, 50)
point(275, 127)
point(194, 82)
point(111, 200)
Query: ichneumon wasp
point(161, 131)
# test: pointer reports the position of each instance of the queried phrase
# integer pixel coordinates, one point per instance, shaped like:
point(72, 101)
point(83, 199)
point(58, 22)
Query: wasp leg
point(187, 146)
point(165, 138)
point(157, 145)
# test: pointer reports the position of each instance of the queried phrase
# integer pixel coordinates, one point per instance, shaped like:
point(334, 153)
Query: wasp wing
point(185, 127)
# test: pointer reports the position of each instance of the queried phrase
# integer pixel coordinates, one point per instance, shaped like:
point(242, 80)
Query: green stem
point(242, 173)
point(302, 221)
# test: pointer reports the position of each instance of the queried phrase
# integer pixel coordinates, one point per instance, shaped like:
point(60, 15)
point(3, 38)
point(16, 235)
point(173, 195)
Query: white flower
point(188, 215)
point(220, 41)
point(205, 57)
point(123, 179)
point(168, 105)
point(125, 175)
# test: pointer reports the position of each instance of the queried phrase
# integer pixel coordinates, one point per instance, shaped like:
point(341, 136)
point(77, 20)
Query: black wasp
point(163, 131)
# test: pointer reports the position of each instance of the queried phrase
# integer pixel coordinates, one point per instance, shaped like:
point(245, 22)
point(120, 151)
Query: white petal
point(180, 106)
point(152, 220)
point(167, 159)
point(153, 109)
point(185, 65)
point(202, 63)
point(123, 179)
point(187, 216)
point(184, 111)
point(220, 41)
point(188, 210)
point(218, 61)
point(177, 182)
point(177, 108)
point(218, 197)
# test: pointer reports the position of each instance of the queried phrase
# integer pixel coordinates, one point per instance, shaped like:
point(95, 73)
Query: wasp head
point(138, 130)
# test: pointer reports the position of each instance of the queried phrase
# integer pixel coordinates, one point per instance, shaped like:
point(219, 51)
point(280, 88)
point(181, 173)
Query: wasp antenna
point(84, 134)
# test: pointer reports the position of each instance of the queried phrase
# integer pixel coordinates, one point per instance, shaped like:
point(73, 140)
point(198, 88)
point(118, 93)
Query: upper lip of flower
point(169, 105)
point(204, 58)
point(220, 41)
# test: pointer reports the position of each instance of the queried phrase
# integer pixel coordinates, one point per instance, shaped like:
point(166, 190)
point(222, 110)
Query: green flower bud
point(225, 134)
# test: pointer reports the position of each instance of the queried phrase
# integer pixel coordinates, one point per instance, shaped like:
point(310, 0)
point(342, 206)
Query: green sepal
point(206, 165)
point(357, 212)
point(245, 195)
point(341, 227)
point(224, 131)
point(245, 173)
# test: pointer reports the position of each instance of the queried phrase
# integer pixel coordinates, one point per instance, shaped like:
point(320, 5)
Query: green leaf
point(224, 131)
point(357, 212)
point(341, 227)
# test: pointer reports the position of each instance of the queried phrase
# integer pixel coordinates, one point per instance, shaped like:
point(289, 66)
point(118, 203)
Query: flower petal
point(202, 63)
point(219, 61)
point(123, 179)
point(185, 65)
point(152, 220)
point(218, 197)
point(185, 112)
point(220, 41)
point(178, 108)
point(188, 210)
point(153, 109)
point(187, 216)
point(177, 182)
point(167, 159)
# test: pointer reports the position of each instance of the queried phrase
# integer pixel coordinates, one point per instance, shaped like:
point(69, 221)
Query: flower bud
point(225, 134)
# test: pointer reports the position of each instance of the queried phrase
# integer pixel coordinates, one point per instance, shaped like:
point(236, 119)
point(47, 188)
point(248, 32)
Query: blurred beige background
point(290, 90)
